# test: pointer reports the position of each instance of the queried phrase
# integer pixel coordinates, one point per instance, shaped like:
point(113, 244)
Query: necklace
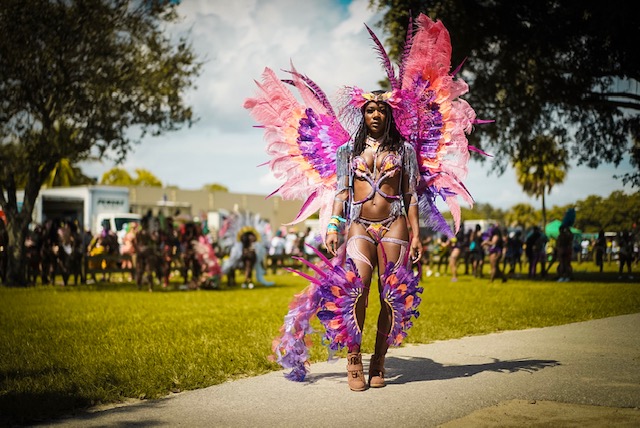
point(373, 143)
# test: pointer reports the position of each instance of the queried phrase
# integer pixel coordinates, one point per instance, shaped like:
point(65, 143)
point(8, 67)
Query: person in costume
point(494, 244)
point(372, 170)
point(377, 178)
point(245, 234)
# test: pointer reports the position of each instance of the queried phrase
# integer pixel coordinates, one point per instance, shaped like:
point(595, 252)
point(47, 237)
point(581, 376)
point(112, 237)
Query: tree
point(77, 78)
point(541, 165)
point(522, 215)
point(117, 177)
point(64, 174)
point(542, 66)
point(121, 177)
point(482, 211)
point(616, 213)
point(146, 178)
point(215, 187)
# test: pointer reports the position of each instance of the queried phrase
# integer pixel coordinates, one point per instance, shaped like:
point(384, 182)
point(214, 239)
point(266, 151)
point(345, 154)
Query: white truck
point(91, 206)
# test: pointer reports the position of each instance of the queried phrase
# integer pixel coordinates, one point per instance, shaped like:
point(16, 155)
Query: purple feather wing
point(302, 139)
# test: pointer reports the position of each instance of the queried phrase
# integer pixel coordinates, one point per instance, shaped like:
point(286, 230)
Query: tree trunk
point(18, 223)
point(544, 213)
point(16, 260)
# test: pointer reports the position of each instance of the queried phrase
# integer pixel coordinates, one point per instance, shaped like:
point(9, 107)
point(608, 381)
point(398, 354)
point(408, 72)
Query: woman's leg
point(495, 265)
point(361, 249)
point(453, 263)
point(392, 249)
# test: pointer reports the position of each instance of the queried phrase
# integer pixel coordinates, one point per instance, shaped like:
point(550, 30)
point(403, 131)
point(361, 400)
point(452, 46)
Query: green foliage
point(146, 178)
point(121, 177)
point(215, 187)
point(619, 212)
point(615, 213)
point(117, 177)
point(64, 174)
point(77, 78)
point(523, 215)
point(540, 165)
point(542, 67)
point(70, 348)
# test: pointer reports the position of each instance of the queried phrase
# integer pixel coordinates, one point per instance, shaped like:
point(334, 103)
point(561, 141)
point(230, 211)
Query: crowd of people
point(158, 248)
point(532, 254)
point(150, 252)
point(154, 251)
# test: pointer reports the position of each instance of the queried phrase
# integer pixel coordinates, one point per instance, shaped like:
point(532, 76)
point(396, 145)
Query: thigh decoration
point(332, 296)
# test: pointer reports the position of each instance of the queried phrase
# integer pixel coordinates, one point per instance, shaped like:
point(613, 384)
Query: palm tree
point(65, 174)
point(540, 166)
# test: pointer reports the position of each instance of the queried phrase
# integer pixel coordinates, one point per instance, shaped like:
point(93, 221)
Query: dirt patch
point(519, 413)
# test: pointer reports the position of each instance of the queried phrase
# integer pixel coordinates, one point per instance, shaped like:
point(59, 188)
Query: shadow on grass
point(28, 408)
point(118, 287)
point(583, 276)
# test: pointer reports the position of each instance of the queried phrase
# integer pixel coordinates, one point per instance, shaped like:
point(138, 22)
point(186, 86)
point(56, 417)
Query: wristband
point(332, 227)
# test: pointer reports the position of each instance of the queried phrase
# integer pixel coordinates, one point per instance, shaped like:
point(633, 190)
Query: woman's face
point(375, 117)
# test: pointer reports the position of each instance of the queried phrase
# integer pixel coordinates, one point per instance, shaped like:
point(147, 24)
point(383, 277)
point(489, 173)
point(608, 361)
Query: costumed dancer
point(245, 235)
point(409, 146)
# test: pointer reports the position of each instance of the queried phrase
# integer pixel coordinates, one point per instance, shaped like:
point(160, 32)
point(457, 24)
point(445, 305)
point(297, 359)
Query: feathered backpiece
point(431, 116)
point(302, 137)
point(569, 218)
point(302, 140)
point(231, 231)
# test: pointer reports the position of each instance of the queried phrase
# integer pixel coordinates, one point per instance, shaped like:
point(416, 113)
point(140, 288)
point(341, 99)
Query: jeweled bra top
point(391, 163)
point(350, 167)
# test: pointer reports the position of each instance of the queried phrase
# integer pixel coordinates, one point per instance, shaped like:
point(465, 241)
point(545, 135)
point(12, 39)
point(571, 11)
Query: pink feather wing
point(435, 120)
point(302, 139)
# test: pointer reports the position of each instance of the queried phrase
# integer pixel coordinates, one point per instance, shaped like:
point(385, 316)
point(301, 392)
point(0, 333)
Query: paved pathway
point(513, 378)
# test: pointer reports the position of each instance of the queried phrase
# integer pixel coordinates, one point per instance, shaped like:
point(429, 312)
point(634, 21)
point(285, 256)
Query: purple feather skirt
point(332, 295)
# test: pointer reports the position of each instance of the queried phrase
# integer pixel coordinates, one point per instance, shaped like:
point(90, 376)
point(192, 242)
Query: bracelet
point(332, 227)
point(340, 219)
point(332, 232)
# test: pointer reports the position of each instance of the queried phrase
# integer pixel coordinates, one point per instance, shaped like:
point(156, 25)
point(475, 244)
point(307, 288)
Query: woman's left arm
point(410, 181)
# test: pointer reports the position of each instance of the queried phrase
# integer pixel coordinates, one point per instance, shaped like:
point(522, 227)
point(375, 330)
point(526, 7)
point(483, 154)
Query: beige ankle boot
point(355, 372)
point(376, 371)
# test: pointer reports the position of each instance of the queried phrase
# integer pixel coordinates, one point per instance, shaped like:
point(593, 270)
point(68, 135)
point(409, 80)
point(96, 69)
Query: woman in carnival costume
point(409, 147)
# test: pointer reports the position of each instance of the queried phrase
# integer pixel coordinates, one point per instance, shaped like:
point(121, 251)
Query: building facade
point(198, 203)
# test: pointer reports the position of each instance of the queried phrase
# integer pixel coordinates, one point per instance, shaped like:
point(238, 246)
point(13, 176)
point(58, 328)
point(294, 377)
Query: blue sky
point(327, 41)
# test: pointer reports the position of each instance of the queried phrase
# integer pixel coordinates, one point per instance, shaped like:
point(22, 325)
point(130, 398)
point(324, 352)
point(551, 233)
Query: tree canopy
point(121, 177)
point(566, 69)
point(78, 77)
point(215, 187)
point(543, 165)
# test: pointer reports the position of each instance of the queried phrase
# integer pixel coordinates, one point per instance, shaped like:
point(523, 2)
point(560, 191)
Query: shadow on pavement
point(415, 369)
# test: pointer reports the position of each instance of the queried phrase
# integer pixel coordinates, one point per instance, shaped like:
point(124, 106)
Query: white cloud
point(326, 41)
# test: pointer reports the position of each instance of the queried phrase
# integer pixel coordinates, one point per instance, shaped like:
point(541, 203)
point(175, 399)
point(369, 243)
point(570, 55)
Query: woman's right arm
point(339, 203)
point(332, 235)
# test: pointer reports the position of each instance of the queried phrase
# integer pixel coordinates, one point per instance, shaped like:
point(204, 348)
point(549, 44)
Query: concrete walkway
point(550, 376)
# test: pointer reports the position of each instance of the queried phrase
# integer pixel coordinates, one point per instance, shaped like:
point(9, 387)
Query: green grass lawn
point(64, 349)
